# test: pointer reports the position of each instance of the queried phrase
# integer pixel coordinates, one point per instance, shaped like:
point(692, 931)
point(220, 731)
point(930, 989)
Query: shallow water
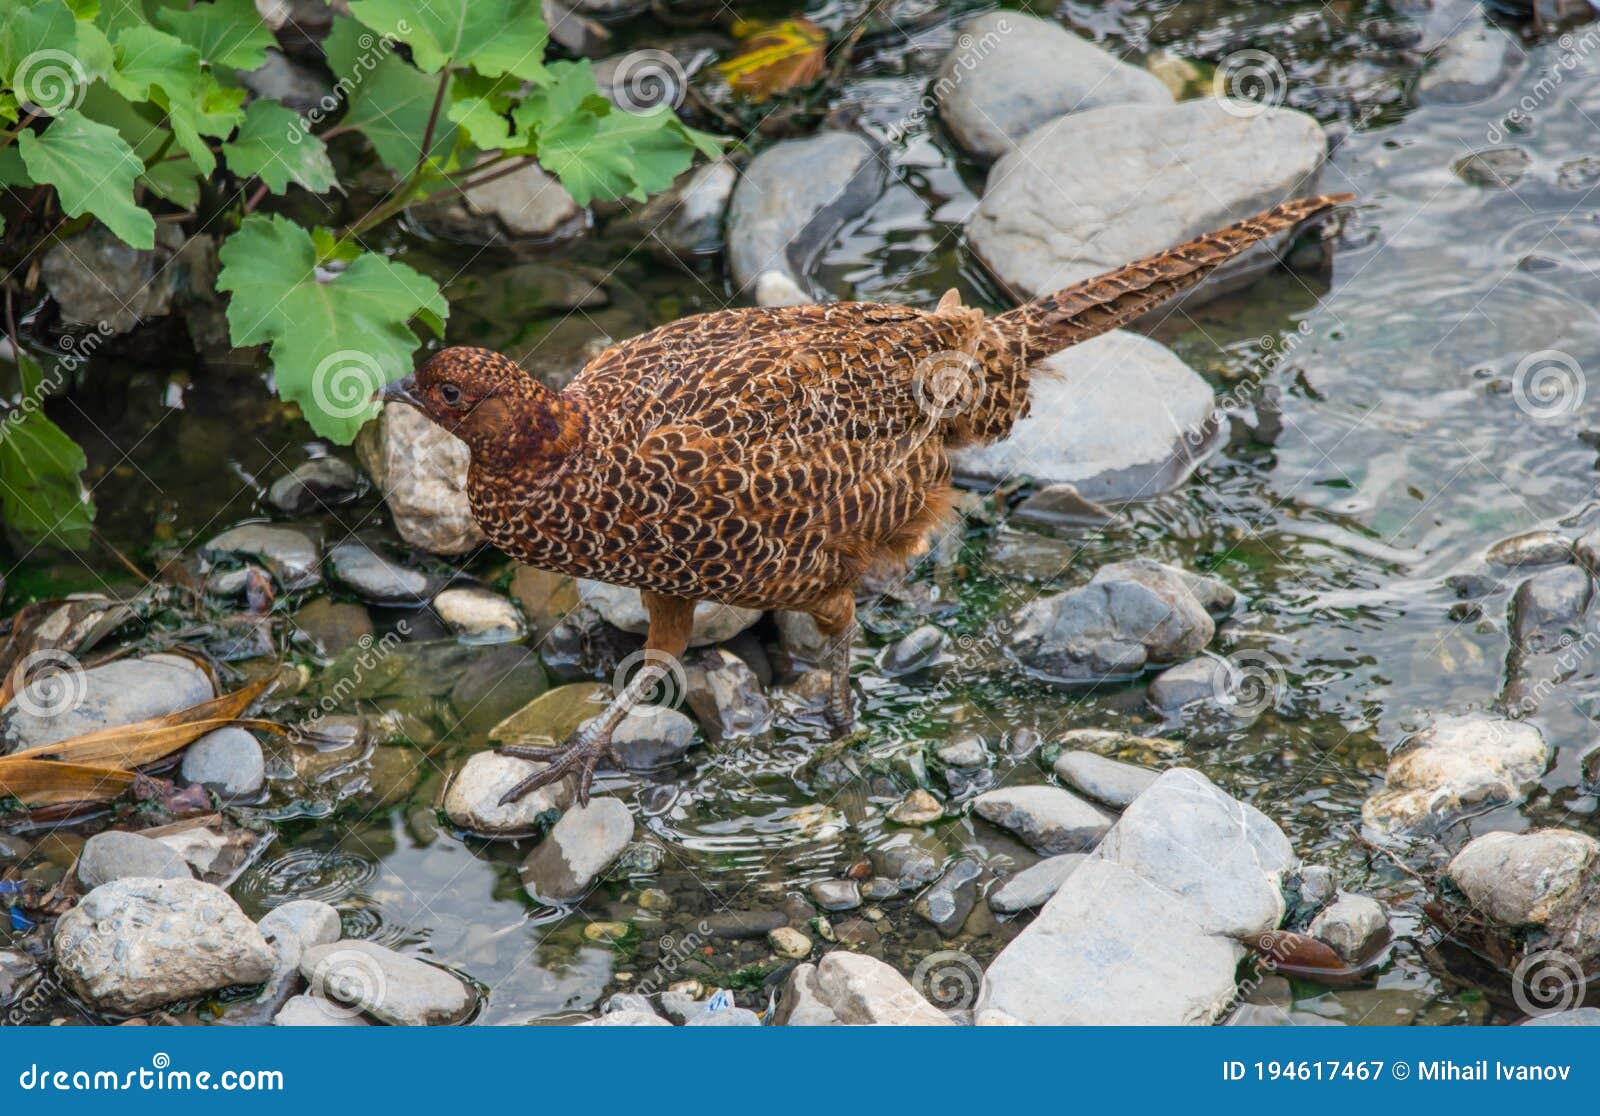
point(1402, 453)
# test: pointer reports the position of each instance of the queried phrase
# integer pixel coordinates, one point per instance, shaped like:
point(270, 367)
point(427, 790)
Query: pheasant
point(764, 457)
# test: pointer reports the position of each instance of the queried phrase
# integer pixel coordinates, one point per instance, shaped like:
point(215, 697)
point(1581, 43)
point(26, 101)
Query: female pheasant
point(765, 458)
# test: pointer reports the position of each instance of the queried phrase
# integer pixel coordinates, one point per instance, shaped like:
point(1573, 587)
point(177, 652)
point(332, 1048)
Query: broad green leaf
point(274, 145)
point(84, 9)
point(482, 106)
point(334, 340)
point(216, 111)
point(176, 180)
point(225, 32)
point(10, 111)
point(41, 495)
point(93, 170)
point(27, 29)
point(389, 99)
point(12, 172)
point(116, 16)
point(148, 59)
point(494, 37)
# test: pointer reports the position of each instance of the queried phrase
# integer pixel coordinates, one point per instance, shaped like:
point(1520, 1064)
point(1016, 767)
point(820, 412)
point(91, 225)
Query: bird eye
point(450, 394)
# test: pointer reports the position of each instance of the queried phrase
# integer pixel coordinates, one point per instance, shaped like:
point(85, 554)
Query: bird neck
point(527, 435)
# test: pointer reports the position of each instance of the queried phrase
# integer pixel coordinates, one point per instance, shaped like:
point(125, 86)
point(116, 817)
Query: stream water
point(1401, 452)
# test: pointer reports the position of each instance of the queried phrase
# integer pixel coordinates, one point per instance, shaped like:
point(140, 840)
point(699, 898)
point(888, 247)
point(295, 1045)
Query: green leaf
point(389, 100)
point(334, 340)
point(93, 170)
point(118, 15)
point(225, 32)
point(175, 180)
point(482, 106)
point(494, 36)
point(274, 145)
point(148, 60)
point(41, 495)
point(45, 25)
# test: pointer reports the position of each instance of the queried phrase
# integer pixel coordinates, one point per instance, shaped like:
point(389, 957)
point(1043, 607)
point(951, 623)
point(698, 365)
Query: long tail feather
point(1054, 322)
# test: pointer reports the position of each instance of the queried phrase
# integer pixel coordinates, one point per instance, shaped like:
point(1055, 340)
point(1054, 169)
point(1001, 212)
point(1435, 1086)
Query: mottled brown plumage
point(767, 457)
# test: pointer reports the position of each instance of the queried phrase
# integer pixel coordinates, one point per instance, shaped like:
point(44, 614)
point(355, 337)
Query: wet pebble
point(1106, 781)
point(334, 626)
point(315, 1011)
point(117, 855)
point(917, 651)
point(1033, 886)
point(578, 848)
point(836, 895)
point(1498, 168)
point(1536, 548)
point(52, 708)
point(478, 615)
point(653, 736)
point(1049, 819)
point(365, 572)
point(421, 469)
point(1532, 879)
point(290, 554)
point(790, 943)
point(1549, 605)
point(1204, 679)
point(741, 925)
point(501, 680)
point(951, 898)
point(1354, 925)
point(315, 485)
point(473, 800)
point(1456, 765)
point(726, 696)
point(228, 760)
point(965, 751)
point(392, 988)
point(917, 808)
point(912, 859)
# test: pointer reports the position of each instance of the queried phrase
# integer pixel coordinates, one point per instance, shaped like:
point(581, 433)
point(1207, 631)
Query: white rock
point(1111, 949)
point(1049, 819)
point(229, 760)
point(70, 703)
point(119, 855)
point(1010, 73)
point(136, 944)
point(479, 615)
point(1524, 879)
point(1225, 857)
point(1453, 767)
point(473, 800)
point(421, 469)
point(529, 203)
point(579, 847)
point(623, 608)
point(314, 1011)
point(1059, 208)
point(1105, 780)
point(863, 991)
point(1354, 925)
point(392, 988)
point(1118, 417)
point(1033, 886)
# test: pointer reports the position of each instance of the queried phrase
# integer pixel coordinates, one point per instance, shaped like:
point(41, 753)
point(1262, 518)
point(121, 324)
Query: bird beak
point(399, 391)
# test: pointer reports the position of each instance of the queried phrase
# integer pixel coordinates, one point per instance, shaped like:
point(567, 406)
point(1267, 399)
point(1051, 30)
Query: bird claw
point(580, 755)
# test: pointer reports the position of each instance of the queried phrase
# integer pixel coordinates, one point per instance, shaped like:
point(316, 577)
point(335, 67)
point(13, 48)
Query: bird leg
point(671, 618)
point(836, 620)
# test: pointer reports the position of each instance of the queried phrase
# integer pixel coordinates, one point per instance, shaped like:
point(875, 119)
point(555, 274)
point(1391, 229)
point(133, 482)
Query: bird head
point(506, 417)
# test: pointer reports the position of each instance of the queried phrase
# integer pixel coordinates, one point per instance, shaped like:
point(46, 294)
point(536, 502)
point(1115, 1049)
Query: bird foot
point(580, 755)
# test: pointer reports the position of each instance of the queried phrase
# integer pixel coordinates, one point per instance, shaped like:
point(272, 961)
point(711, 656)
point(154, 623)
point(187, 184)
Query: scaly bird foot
point(581, 755)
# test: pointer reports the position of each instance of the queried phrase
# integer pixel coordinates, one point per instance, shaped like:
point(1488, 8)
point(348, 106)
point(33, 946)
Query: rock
point(544, 597)
point(1470, 66)
point(334, 626)
point(1200, 165)
point(228, 760)
point(135, 944)
point(99, 281)
point(627, 1001)
point(1548, 606)
point(777, 288)
point(743, 925)
point(421, 469)
point(362, 570)
point(118, 855)
point(1586, 550)
point(653, 736)
point(392, 988)
point(800, 638)
point(792, 199)
point(1456, 766)
point(1033, 886)
point(605, 933)
point(623, 608)
point(1130, 616)
point(56, 707)
point(917, 808)
point(305, 922)
point(1010, 73)
point(502, 680)
point(526, 205)
point(1118, 417)
point(315, 1011)
point(790, 943)
point(686, 220)
point(289, 554)
point(1525, 879)
point(1354, 925)
point(800, 1003)
point(316, 485)
point(917, 651)
point(836, 895)
point(1123, 745)
point(1224, 857)
point(1104, 780)
point(1062, 505)
point(1091, 958)
point(862, 991)
point(1048, 819)
point(966, 752)
point(577, 849)
point(912, 859)
point(478, 615)
point(626, 1019)
point(553, 716)
point(299, 86)
point(289, 929)
point(473, 800)
point(950, 900)
point(726, 696)
point(1498, 168)
point(1205, 679)
point(216, 850)
point(1317, 887)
